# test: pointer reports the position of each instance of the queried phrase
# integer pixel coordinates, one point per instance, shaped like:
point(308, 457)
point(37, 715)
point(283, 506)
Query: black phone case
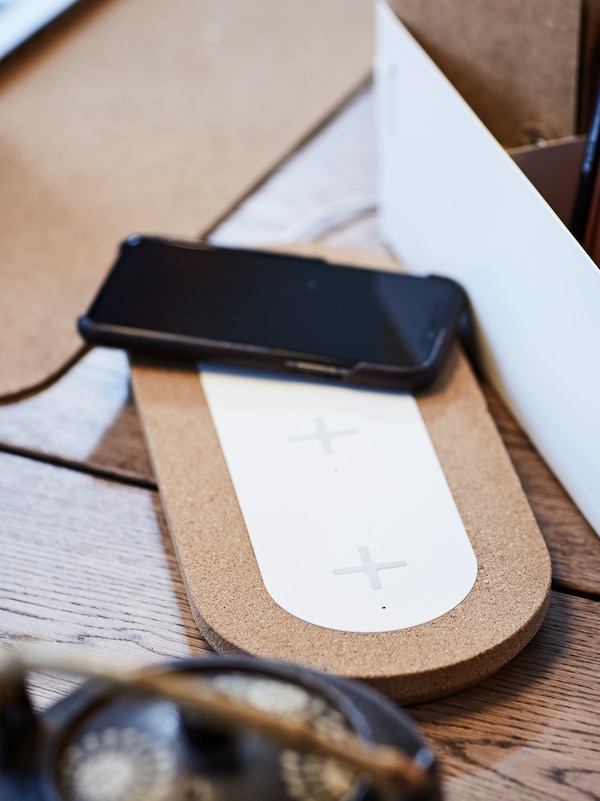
point(188, 348)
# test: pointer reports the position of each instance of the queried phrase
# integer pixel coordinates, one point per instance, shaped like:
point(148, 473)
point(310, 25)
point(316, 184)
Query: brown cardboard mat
point(145, 116)
point(229, 601)
point(516, 64)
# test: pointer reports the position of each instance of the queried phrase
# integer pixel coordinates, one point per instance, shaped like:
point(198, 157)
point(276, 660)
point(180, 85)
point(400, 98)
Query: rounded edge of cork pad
point(497, 619)
point(233, 609)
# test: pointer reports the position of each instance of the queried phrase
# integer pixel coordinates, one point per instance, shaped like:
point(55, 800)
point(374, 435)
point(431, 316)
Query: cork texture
point(227, 596)
point(147, 116)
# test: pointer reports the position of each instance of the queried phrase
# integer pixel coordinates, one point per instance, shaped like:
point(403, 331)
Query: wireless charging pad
point(348, 511)
point(369, 534)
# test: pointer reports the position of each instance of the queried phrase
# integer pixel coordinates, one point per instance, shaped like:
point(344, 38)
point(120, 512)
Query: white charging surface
point(347, 508)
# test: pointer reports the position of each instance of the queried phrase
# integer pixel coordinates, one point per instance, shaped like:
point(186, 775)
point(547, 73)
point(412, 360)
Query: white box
point(453, 202)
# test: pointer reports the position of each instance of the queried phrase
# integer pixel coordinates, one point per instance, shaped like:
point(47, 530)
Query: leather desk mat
point(229, 601)
point(146, 116)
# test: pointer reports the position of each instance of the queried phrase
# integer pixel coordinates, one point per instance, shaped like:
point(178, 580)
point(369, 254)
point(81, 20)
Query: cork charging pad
point(144, 116)
point(235, 613)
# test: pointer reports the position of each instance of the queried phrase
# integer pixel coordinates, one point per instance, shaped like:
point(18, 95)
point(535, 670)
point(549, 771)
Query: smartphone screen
point(286, 305)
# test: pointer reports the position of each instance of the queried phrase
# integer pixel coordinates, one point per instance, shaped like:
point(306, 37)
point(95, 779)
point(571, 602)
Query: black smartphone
point(260, 309)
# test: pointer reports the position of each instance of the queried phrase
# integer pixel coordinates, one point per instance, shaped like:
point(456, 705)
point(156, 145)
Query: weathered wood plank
point(88, 562)
point(531, 731)
point(574, 546)
point(87, 418)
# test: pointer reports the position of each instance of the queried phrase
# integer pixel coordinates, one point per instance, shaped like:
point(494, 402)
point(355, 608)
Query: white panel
point(453, 202)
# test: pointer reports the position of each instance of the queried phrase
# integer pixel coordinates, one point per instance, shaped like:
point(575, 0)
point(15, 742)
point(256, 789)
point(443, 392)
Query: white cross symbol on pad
point(369, 567)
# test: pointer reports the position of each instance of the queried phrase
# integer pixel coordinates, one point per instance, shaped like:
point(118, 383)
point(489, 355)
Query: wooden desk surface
point(87, 559)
